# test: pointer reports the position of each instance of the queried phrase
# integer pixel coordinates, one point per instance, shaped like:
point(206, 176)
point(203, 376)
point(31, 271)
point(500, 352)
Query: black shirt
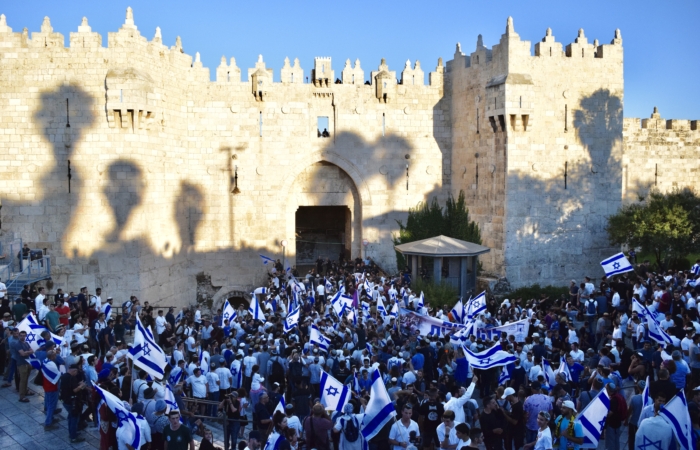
point(517, 413)
point(432, 414)
point(490, 422)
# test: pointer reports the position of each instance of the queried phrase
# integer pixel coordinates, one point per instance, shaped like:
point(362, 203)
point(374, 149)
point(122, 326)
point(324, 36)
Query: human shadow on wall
point(572, 201)
point(124, 191)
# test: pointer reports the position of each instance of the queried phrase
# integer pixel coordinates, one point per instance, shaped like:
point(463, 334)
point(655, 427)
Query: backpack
point(277, 370)
point(591, 308)
point(334, 367)
point(351, 430)
point(620, 406)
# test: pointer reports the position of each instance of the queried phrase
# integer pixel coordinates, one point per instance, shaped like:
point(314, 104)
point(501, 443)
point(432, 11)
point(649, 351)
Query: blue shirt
point(575, 371)
point(679, 375)
point(563, 424)
point(418, 360)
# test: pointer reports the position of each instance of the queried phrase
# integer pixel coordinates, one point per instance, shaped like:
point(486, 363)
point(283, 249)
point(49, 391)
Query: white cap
point(569, 404)
point(507, 392)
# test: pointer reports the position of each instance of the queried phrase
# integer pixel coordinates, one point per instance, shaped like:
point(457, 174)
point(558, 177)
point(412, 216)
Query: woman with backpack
point(348, 425)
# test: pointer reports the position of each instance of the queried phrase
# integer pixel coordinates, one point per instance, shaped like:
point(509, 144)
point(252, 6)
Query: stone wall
point(659, 154)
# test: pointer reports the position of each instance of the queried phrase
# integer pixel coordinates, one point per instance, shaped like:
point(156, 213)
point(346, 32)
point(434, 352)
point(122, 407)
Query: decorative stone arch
point(227, 292)
point(360, 193)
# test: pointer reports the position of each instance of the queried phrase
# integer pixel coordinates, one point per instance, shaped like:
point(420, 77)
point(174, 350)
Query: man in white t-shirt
point(446, 433)
point(576, 353)
point(213, 386)
point(39, 300)
point(160, 325)
point(400, 434)
point(96, 300)
point(199, 384)
point(3, 290)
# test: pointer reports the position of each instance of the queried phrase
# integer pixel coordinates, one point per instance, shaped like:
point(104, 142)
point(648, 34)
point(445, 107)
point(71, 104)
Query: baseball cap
point(569, 404)
point(507, 392)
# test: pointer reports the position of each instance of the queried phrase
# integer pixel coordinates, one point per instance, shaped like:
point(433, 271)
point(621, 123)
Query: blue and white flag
point(616, 264)
point(292, 320)
point(50, 371)
point(394, 310)
point(593, 417)
point(334, 394)
point(421, 301)
point(108, 311)
point(356, 381)
point(365, 309)
point(30, 325)
point(254, 309)
point(368, 346)
point(237, 374)
point(329, 285)
point(519, 330)
point(676, 414)
point(458, 312)
point(476, 306)
point(315, 337)
point(146, 353)
point(228, 313)
point(273, 441)
point(169, 398)
point(492, 357)
point(177, 375)
point(380, 306)
point(659, 335)
point(646, 399)
point(504, 377)
point(379, 409)
point(352, 316)
point(260, 291)
point(341, 303)
point(124, 416)
point(280, 406)
point(548, 372)
point(179, 316)
point(267, 260)
point(563, 370)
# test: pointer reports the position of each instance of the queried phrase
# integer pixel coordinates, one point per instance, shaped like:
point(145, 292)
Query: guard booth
point(459, 259)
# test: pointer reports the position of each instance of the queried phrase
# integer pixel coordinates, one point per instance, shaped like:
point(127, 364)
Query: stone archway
point(226, 292)
point(329, 193)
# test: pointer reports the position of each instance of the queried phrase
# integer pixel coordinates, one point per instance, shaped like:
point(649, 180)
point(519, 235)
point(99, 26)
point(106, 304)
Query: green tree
point(427, 220)
point(665, 225)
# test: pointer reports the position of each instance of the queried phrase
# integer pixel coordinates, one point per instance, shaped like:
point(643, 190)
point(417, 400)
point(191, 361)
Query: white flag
point(379, 409)
point(616, 264)
point(676, 414)
point(334, 395)
point(593, 417)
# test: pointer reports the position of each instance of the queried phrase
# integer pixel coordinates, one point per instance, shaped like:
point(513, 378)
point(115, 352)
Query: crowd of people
point(266, 378)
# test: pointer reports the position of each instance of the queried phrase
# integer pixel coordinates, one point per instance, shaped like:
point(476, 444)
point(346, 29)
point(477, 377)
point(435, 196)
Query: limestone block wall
point(659, 154)
point(155, 151)
point(545, 132)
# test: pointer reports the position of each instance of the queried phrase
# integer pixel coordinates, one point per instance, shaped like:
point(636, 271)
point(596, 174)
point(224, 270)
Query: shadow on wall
point(124, 191)
point(556, 219)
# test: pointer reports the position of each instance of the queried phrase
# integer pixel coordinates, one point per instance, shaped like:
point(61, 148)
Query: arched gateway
point(324, 211)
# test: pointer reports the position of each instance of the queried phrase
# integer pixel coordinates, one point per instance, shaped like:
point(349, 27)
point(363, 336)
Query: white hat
point(569, 404)
point(507, 392)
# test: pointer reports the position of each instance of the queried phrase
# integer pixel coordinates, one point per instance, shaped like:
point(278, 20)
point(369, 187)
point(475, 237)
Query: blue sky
point(662, 66)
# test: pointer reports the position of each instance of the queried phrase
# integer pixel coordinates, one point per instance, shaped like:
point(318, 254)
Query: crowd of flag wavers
point(347, 358)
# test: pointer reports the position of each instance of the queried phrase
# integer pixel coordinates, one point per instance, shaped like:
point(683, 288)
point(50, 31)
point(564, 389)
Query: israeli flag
point(676, 414)
point(125, 417)
point(292, 320)
point(368, 287)
point(394, 310)
point(646, 399)
point(179, 316)
point(366, 308)
point(368, 346)
point(273, 441)
point(616, 264)
point(146, 353)
point(341, 303)
point(260, 291)
point(108, 311)
point(334, 395)
point(176, 375)
point(380, 306)
point(228, 313)
point(315, 337)
point(356, 381)
point(254, 309)
point(169, 398)
point(421, 301)
point(352, 316)
point(476, 306)
point(548, 372)
point(50, 371)
point(267, 260)
point(280, 407)
point(563, 369)
point(492, 357)
point(458, 312)
point(379, 409)
point(593, 417)
point(504, 377)
point(659, 335)
point(34, 330)
point(237, 374)
point(329, 285)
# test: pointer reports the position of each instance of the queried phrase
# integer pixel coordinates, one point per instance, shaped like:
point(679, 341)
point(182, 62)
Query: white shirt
point(295, 423)
point(616, 300)
point(3, 289)
point(41, 314)
point(577, 355)
point(199, 386)
point(224, 377)
point(213, 381)
point(401, 433)
point(256, 383)
point(249, 362)
point(320, 290)
point(573, 338)
point(453, 439)
point(97, 302)
point(544, 439)
point(456, 404)
point(189, 343)
point(198, 316)
point(39, 302)
point(160, 324)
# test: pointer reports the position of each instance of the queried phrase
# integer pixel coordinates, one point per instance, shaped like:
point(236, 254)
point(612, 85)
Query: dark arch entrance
point(322, 231)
